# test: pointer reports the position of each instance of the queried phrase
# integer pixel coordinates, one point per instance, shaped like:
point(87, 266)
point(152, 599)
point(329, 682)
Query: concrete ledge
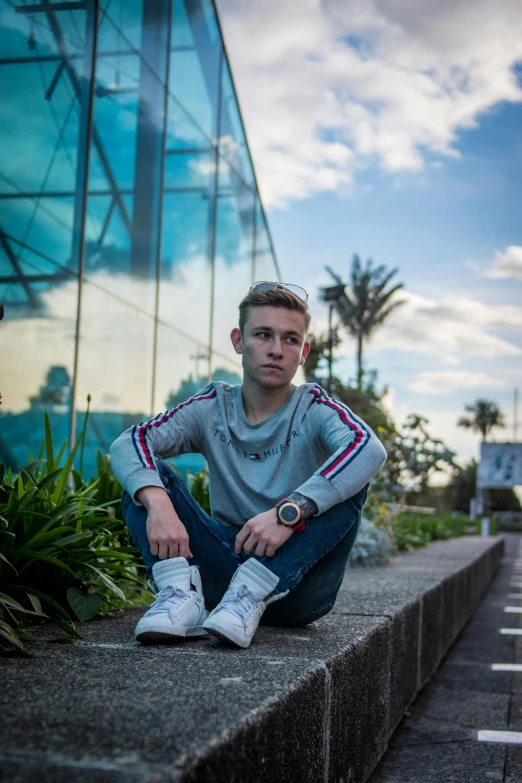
point(311, 704)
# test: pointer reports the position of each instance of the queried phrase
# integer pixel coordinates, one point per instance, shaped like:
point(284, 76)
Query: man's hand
point(264, 533)
point(166, 532)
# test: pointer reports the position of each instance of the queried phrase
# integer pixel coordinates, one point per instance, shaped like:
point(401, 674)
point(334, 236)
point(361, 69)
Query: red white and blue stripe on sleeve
point(139, 432)
point(356, 426)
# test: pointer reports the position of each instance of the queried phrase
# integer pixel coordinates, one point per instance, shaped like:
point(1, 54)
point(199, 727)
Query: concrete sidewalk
point(312, 704)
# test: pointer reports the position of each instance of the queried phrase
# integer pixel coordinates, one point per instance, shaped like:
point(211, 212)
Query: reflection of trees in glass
point(191, 385)
point(485, 416)
point(55, 391)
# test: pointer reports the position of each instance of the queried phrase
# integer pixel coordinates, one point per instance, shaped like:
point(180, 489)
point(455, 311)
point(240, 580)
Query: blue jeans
point(310, 565)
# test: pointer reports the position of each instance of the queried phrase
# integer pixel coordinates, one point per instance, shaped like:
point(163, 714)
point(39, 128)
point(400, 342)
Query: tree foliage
point(366, 304)
point(485, 415)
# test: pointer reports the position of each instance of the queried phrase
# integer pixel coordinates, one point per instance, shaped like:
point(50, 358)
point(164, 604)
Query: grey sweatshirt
point(313, 444)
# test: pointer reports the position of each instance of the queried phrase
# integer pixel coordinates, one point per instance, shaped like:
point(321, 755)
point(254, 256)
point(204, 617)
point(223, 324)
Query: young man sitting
point(289, 470)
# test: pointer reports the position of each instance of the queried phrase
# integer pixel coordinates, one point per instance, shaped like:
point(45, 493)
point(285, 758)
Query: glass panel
point(227, 369)
point(113, 165)
point(115, 368)
point(189, 171)
point(193, 76)
point(29, 33)
point(232, 142)
point(181, 372)
point(40, 154)
point(39, 138)
point(234, 256)
point(184, 295)
point(41, 383)
point(117, 17)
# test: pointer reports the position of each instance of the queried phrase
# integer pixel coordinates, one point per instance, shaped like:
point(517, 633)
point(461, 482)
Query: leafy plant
point(63, 550)
point(200, 489)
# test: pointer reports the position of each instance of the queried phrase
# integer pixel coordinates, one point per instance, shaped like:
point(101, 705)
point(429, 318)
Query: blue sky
point(394, 132)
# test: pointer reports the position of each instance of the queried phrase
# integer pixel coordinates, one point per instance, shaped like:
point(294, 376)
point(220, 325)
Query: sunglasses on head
point(265, 285)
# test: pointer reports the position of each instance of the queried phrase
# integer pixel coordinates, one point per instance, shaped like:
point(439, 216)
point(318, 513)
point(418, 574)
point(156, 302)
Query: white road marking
point(512, 631)
point(506, 667)
point(514, 595)
point(508, 737)
point(513, 609)
point(110, 645)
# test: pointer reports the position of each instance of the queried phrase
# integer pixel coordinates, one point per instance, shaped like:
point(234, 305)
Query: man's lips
point(273, 367)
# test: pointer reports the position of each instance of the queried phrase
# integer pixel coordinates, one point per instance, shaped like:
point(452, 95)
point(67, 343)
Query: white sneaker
point(236, 617)
point(178, 611)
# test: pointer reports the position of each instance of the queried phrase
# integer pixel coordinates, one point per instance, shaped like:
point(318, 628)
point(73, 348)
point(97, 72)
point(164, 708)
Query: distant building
point(130, 218)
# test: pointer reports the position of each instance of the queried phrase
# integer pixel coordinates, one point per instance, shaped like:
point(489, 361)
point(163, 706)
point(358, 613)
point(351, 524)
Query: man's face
point(273, 345)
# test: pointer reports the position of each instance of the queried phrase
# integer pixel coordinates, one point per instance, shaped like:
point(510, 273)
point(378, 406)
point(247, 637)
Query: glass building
point(130, 219)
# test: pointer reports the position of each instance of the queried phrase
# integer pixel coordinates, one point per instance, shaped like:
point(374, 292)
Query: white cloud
point(334, 86)
point(451, 328)
point(444, 382)
point(506, 264)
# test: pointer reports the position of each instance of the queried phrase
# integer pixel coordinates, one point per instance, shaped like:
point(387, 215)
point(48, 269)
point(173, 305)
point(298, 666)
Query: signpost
point(500, 467)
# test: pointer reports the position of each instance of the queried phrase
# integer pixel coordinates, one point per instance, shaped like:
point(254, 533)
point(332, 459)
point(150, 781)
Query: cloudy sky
point(391, 129)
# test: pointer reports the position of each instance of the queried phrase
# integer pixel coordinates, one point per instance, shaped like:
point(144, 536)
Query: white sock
point(257, 577)
point(174, 572)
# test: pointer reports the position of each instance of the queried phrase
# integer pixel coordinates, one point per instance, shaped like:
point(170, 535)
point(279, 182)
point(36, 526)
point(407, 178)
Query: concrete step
point(311, 704)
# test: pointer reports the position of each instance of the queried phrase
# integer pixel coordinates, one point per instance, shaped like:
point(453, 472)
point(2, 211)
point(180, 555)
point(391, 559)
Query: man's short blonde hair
point(278, 297)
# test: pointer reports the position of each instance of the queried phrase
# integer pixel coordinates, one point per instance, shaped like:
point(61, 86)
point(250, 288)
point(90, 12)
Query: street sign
point(500, 466)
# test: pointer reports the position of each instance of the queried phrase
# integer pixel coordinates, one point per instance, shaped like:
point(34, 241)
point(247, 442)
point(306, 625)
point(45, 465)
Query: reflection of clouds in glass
point(203, 167)
point(31, 345)
point(117, 341)
point(228, 146)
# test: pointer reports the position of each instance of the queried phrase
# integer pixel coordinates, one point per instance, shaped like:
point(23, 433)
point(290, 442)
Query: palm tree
point(367, 304)
point(486, 415)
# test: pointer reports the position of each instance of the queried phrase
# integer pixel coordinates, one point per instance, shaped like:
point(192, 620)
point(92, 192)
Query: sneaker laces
point(167, 600)
point(241, 603)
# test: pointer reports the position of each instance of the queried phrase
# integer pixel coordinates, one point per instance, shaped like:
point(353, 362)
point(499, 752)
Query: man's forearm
point(151, 496)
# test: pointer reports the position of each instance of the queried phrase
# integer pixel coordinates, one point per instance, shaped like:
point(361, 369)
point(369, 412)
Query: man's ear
point(305, 352)
point(237, 340)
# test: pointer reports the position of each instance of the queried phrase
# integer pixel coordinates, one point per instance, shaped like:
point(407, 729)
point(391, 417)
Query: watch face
point(289, 514)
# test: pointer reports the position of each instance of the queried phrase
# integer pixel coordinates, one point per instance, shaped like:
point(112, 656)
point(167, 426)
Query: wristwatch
point(290, 514)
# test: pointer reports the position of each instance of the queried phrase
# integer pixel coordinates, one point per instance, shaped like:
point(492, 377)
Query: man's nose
point(276, 347)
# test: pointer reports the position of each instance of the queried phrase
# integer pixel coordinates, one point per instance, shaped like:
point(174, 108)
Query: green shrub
point(64, 551)
point(410, 530)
